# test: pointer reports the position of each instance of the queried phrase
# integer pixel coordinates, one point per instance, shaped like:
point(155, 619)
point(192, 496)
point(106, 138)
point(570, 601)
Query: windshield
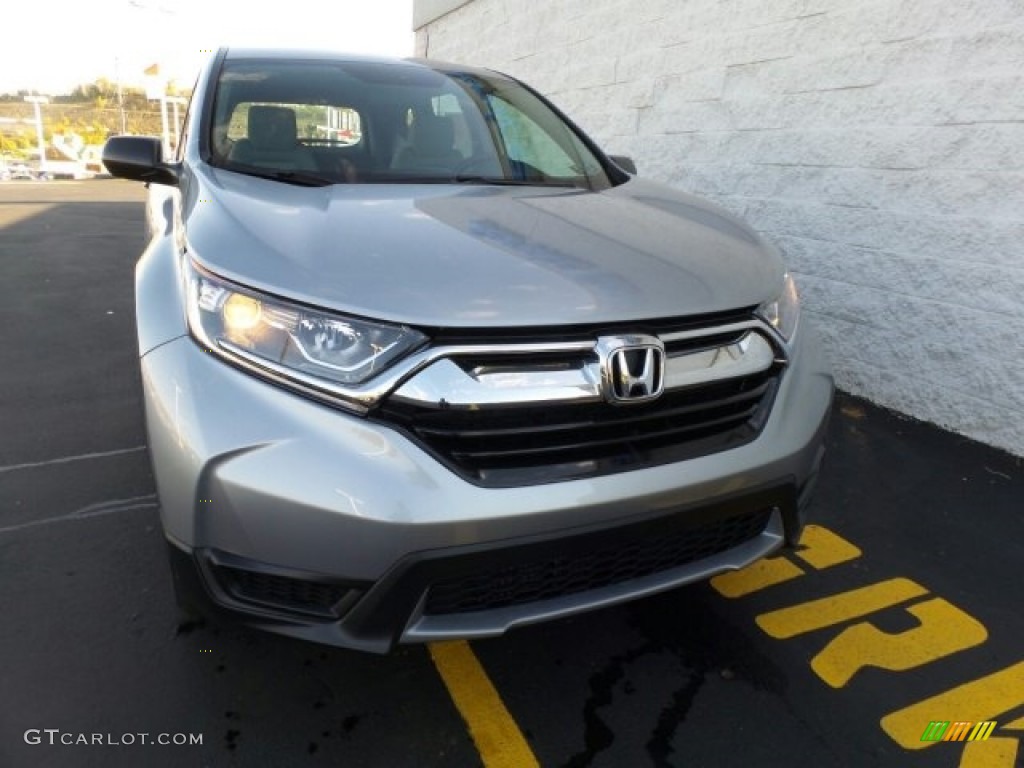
point(327, 122)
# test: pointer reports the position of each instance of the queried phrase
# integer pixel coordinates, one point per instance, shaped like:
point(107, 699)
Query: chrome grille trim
point(446, 384)
point(501, 419)
point(362, 398)
point(697, 333)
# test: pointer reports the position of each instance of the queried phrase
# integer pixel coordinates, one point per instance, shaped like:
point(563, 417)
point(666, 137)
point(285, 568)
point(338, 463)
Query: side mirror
point(139, 158)
point(625, 163)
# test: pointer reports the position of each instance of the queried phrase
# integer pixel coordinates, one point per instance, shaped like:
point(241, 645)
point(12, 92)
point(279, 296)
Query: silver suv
point(421, 361)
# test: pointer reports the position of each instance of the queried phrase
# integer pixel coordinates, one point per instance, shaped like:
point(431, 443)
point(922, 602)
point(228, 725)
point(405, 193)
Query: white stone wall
point(878, 143)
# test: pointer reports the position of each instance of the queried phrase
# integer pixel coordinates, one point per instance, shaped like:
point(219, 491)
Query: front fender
point(159, 293)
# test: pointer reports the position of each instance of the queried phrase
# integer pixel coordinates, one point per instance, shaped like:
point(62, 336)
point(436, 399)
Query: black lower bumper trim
point(377, 619)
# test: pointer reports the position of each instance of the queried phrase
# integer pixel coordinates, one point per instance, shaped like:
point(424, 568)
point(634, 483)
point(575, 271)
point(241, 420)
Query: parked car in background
point(421, 361)
point(60, 166)
point(22, 171)
point(67, 169)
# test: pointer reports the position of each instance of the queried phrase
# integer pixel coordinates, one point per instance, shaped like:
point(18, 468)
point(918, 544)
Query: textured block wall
point(878, 143)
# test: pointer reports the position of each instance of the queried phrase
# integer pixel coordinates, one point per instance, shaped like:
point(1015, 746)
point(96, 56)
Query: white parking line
point(69, 459)
point(100, 508)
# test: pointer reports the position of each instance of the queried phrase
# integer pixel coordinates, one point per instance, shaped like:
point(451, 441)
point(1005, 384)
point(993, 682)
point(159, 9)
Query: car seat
point(431, 147)
point(272, 141)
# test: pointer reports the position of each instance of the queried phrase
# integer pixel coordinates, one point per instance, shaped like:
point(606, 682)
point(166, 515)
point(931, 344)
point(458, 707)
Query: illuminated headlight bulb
point(783, 312)
point(241, 313)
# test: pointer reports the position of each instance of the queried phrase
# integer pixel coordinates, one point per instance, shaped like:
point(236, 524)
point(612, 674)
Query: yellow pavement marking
point(759, 575)
point(983, 699)
point(818, 614)
point(994, 753)
point(944, 630)
point(497, 737)
point(821, 548)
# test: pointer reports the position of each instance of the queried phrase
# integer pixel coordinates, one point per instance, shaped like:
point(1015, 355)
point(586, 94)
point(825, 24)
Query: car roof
point(303, 54)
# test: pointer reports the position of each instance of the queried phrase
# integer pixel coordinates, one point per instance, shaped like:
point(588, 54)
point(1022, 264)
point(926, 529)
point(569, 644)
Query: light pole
point(36, 101)
point(151, 92)
point(120, 95)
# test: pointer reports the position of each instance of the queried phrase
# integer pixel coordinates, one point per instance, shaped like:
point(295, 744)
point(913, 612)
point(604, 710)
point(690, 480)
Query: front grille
point(587, 331)
point(549, 577)
point(283, 592)
point(527, 445)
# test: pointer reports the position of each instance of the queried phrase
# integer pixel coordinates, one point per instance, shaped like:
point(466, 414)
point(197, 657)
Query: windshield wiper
point(502, 181)
point(299, 178)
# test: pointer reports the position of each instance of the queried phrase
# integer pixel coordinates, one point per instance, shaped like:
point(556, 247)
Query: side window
point(340, 125)
point(238, 125)
point(314, 123)
point(526, 142)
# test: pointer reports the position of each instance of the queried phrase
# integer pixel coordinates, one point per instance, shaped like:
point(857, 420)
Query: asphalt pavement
point(903, 607)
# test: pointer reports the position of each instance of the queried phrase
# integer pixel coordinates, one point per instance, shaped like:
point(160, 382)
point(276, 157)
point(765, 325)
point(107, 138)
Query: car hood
point(479, 256)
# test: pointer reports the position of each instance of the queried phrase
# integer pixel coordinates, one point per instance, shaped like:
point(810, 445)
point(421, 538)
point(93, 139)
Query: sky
point(52, 46)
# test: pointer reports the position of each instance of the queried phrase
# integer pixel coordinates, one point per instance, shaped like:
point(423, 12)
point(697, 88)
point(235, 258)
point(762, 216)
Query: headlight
point(290, 340)
point(784, 312)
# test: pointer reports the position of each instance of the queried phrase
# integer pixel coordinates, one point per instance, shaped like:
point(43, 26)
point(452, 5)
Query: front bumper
point(270, 500)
